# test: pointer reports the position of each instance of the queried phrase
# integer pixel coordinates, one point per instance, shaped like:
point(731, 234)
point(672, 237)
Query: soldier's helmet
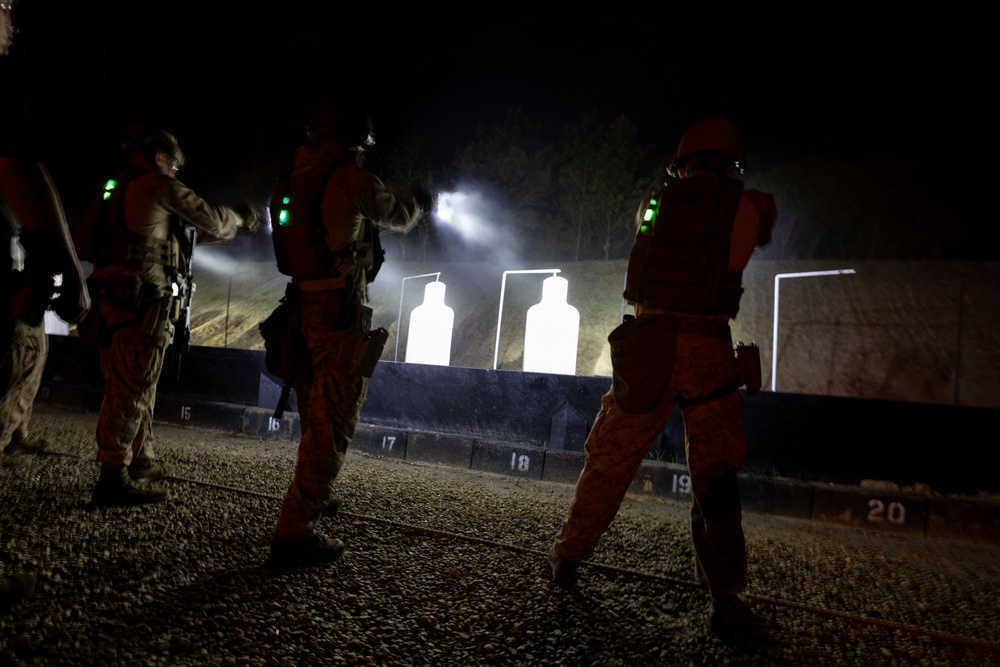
point(714, 140)
point(150, 140)
point(341, 118)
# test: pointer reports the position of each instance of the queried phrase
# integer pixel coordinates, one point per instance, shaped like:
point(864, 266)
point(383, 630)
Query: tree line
point(574, 197)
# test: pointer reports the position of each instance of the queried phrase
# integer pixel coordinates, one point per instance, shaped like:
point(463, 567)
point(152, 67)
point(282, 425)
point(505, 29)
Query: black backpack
point(99, 233)
point(299, 246)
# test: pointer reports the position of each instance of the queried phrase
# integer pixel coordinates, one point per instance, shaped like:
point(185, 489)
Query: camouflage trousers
point(715, 443)
point(131, 367)
point(20, 378)
point(329, 404)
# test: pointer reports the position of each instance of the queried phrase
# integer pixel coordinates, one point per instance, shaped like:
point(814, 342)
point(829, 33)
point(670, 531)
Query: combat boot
point(287, 552)
point(13, 461)
point(731, 618)
point(23, 446)
point(564, 571)
point(149, 470)
point(116, 488)
point(14, 589)
point(333, 508)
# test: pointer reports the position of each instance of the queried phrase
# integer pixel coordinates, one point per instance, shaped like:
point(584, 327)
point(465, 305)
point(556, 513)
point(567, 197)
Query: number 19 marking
point(682, 483)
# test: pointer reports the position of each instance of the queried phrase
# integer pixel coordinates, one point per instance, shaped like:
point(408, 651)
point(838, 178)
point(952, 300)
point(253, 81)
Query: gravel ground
point(444, 567)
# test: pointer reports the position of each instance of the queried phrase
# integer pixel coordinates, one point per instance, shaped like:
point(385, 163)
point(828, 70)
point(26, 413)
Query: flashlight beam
point(774, 326)
point(503, 284)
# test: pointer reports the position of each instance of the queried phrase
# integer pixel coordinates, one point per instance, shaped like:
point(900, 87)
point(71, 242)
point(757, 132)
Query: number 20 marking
point(894, 513)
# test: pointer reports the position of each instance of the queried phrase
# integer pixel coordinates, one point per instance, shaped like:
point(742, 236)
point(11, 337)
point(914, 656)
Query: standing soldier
point(137, 286)
point(684, 277)
point(33, 229)
point(325, 215)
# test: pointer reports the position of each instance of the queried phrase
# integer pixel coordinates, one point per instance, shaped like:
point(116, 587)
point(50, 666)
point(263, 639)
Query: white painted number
point(682, 484)
point(894, 513)
point(522, 462)
point(273, 424)
point(388, 441)
point(185, 412)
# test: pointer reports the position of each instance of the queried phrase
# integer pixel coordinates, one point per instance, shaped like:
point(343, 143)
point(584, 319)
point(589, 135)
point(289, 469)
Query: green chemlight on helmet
point(109, 187)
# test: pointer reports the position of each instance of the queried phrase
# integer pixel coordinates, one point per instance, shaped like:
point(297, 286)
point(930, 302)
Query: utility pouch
point(367, 352)
point(642, 359)
point(156, 317)
point(362, 347)
point(748, 366)
point(119, 305)
point(175, 309)
point(282, 334)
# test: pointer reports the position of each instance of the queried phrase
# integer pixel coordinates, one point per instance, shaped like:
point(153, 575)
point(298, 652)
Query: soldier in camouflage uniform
point(684, 277)
point(325, 215)
point(33, 229)
point(137, 305)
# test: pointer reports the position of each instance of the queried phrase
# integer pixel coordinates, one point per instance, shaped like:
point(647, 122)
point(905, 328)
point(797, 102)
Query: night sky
point(848, 80)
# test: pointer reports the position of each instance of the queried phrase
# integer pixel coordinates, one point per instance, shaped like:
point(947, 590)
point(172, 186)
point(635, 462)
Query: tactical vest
point(101, 236)
point(299, 237)
point(680, 258)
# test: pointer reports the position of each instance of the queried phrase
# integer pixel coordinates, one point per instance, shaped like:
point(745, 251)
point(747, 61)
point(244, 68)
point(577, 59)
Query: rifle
point(286, 390)
point(180, 343)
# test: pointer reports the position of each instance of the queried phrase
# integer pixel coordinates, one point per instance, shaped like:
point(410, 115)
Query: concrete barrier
point(808, 455)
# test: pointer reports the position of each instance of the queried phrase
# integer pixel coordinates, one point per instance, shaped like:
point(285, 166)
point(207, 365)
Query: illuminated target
point(552, 331)
point(431, 323)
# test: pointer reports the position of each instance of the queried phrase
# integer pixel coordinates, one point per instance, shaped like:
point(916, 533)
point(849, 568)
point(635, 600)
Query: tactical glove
point(422, 196)
point(252, 219)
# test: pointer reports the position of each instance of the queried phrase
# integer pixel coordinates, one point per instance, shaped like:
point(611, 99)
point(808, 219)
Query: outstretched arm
point(398, 211)
point(215, 223)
